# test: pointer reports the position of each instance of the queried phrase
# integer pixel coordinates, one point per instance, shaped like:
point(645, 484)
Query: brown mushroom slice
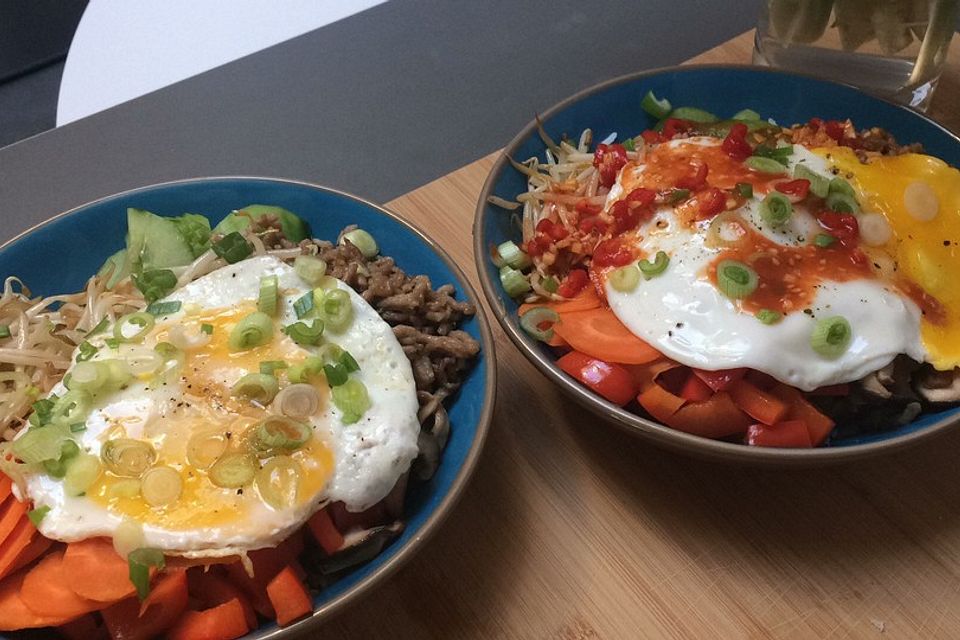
point(360, 546)
point(939, 386)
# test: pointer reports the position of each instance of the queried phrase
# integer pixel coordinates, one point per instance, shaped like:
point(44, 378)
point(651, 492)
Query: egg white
point(369, 455)
point(685, 317)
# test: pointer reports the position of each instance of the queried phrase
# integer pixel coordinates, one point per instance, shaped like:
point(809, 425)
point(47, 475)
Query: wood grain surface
point(572, 530)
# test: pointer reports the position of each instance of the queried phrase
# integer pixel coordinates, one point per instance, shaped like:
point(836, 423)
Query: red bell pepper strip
point(609, 380)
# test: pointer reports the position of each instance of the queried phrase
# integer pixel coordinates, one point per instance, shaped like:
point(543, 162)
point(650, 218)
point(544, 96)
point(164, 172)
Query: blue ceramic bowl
point(59, 255)
point(614, 106)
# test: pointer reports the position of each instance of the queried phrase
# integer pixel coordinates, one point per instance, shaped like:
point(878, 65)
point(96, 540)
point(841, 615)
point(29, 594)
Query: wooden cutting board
point(572, 530)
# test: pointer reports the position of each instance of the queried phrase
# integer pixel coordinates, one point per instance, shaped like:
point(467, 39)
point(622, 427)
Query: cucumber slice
point(293, 227)
point(154, 242)
point(117, 266)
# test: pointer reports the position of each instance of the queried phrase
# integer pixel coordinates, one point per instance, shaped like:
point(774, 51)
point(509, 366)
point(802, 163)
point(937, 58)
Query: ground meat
point(424, 319)
point(865, 143)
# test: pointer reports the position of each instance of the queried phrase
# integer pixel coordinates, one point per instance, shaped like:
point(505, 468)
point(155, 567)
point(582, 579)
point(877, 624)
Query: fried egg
point(189, 400)
point(685, 316)
point(925, 239)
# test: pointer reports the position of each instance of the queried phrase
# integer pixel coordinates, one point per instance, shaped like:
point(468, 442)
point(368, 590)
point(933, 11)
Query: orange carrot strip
point(14, 614)
point(36, 545)
point(131, 620)
point(600, 334)
point(46, 594)
point(224, 622)
point(791, 434)
point(818, 424)
point(695, 389)
point(584, 301)
point(255, 589)
point(327, 536)
point(289, 596)
point(93, 570)
point(644, 375)
point(717, 417)
point(6, 488)
point(757, 404)
point(660, 403)
point(11, 513)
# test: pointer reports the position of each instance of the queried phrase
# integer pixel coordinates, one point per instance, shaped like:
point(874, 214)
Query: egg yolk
point(925, 252)
point(204, 406)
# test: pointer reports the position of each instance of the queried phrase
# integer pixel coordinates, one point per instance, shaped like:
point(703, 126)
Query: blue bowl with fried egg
point(733, 261)
point(230, 404)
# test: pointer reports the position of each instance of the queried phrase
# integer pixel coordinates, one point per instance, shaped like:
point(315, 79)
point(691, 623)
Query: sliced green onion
point(233, 247)
point(745, 189)
point(38, 445)
point(679, 195)
point(140, 561)
point(78, 427)
point(831, 337)
point(305, 334)
point(113, 343)
point(842, 203)
point(764, 165)
point(280, 432)
point(352, 399)
point(839, 185)
point(259, 387)
point(819, 185)
point(655, 268)
point(656, 107)
point(629, 144)
point(775, 209)
point(164, 308)
point(89, 376)
point(780, 154)
point(58, 467)
point(336, 374)
point(824, 240)
point(514, 284)
point(769, 316)
point(161, 486)
point(82, 472)
point(694, 115)
point(205, 448)
point(269, 293)
point(746, 114)
point(513, 256)
point(37, 515)
point(140, 319)
point(735, 279)
point(362, 241)
point(155, 283)
point(86, 351)
point(533, 320)
point(270, 367)
point(167, 350)
point(278, 482)
point(304, 304)
point(127, 457)
point(206, 328)
point(233, 471)
point(336, 309)
point(625, 279)
point(5, 331)
point(252, 331)
point(550, 284)
point(329, 352)
point(101, 326)
point(42, 410)
point(72, 407)
point(347, 362)
point(310, 269)
point(298, 401)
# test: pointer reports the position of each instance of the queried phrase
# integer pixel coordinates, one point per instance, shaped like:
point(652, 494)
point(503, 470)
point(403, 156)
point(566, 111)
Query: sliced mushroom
point(911, 411)
point(360, 546)
point(939, 386)
point(871, 384)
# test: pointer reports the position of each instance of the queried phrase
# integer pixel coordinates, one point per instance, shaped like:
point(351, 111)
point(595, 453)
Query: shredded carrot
point(584, 301)
point(660, 403)
point(223, 622)
point(790, 434)
point(130, 619)
point(11, 513)
point(14, 614)
point(598, 333)
point(695, 389)
point(818, 425)
point(6, 487)
point(212, 588)
point(326, 534)
point(717, 417)
point(22, 547)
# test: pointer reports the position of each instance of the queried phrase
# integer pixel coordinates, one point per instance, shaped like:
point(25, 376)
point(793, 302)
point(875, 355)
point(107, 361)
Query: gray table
point(376, 104)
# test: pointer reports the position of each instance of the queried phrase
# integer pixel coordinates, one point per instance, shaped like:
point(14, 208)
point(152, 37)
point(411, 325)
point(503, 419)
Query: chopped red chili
point(712, 202)
point(609, 159)
point(574, 283)
point(695, 181)
point(797, 189)
point(735, 144)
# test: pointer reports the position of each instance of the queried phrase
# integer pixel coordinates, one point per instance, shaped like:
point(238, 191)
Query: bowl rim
point(442, 510)
point(635, 424)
